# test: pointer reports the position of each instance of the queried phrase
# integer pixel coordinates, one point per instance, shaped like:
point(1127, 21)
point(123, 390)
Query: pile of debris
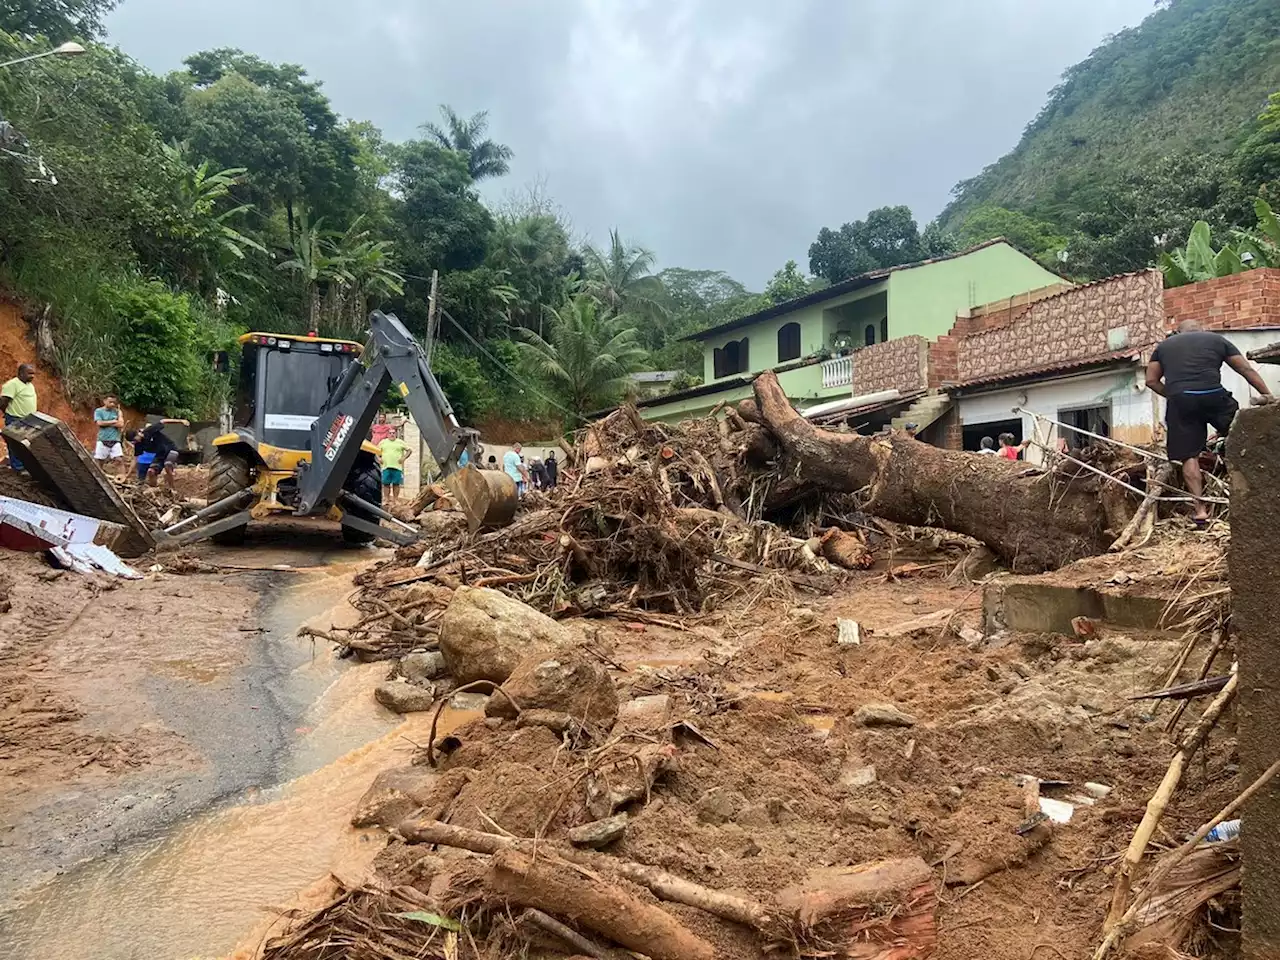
point(640, 528)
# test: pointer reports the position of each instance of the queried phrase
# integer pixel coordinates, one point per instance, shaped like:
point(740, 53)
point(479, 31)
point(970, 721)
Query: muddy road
point(140, 723)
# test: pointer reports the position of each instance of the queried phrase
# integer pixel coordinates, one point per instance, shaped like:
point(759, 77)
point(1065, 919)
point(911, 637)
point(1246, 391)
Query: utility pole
point(433, 315)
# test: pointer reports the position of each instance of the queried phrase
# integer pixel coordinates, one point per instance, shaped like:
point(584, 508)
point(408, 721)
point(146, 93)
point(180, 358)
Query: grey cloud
point(721, 133)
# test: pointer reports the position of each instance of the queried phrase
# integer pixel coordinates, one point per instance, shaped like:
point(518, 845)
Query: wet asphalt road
point(242, 726)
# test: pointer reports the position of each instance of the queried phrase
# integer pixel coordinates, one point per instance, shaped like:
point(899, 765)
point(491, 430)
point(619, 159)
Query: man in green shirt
point(393, 452)
point(110, 422)
point(18, 400)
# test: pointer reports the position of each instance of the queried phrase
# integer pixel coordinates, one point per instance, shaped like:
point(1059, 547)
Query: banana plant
point(1262, 243)
point(1198, 260)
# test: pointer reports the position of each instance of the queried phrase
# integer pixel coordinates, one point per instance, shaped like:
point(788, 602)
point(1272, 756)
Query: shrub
point(157, 340)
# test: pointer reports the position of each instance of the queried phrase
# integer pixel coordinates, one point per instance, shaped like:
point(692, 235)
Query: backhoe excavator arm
point(349, 412)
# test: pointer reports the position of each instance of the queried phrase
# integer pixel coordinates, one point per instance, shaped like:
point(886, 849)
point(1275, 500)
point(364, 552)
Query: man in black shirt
point(156, 454)
point(1190, 365)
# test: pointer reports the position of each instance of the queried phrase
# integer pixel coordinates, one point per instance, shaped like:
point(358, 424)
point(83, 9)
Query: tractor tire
point(365, 482)
point(228, 473)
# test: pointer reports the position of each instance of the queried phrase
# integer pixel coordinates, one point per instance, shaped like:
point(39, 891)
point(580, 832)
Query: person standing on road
point(552, 468)
point(109, 451)
point(381, 430)
point(1186, 369)
point(18, 400)
point(393, 452)
point(513, 467)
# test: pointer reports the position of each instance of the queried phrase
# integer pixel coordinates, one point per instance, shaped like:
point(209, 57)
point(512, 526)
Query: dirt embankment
point(16, 348)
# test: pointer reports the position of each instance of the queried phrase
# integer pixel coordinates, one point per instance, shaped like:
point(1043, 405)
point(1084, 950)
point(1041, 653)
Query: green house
point(813, 341)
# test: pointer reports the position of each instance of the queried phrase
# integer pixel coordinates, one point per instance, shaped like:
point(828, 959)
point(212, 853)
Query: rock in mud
point(485, 634)
point(882, 715)
point(566, 682)
point(720, 805)
point(651, 712)
point(857, 775)
point(401, 696)
point(599, 833)
point(612, 786)
point(395, 794)
point(424, 666)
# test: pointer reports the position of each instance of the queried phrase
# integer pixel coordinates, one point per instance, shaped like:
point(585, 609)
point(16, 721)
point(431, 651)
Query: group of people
point(155, 454)
point(1009, 448)
point(538, 474)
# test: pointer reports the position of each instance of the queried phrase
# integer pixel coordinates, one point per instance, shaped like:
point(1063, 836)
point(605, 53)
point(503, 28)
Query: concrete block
point(1253, 450)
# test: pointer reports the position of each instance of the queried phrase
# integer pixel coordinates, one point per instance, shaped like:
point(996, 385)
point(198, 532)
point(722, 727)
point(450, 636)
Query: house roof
point(1015, 377)
point(1267, 354)
point(852, 285)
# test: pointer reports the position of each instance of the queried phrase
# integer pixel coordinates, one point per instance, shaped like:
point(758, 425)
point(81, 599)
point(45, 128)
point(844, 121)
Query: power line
point(502, 366)
point(511, 373)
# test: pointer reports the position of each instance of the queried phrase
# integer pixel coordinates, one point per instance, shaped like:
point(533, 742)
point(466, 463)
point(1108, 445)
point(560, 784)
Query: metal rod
point(212, 510)
point(374, 509)
point(1142, 493)
point(1096, 436)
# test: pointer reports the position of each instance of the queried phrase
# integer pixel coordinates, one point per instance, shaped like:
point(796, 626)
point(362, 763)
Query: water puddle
point(200, 888)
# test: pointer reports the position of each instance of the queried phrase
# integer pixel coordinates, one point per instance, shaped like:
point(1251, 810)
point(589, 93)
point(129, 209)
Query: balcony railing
point(837, 372)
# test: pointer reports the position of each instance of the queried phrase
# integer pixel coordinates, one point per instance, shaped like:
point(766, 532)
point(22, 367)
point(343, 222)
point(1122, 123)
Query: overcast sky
point(720, 133)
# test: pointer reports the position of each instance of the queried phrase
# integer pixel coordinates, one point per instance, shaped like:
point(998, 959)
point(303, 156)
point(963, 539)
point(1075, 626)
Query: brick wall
point(1249, 299)
point(897, 364)
point(1095, 320)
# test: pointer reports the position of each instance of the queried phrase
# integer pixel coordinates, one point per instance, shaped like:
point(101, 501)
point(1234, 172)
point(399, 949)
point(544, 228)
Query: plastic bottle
point(1227, 830)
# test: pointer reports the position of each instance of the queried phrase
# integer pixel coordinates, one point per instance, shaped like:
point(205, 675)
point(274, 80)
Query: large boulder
point(485, 634)
point(400, 696)
point(401, 791)
point(566, 681)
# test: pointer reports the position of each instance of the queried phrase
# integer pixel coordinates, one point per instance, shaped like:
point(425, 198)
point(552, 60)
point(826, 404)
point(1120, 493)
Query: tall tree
point(586, 357)
point(55, 20)
point(787, 284)
point(621, 277)
point(1258, 158)
point(888, 237)
point(485, 158)
point(325, 165)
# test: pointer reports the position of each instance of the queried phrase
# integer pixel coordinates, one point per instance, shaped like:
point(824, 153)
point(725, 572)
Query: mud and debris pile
point(664, 725)
point(640, 528)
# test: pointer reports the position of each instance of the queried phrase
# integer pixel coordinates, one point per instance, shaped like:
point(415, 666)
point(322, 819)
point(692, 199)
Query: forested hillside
point(1144, 128)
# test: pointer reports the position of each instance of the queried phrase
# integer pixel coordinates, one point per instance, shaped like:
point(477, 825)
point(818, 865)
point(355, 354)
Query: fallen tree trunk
point(666, 886)
point(1031, 520)
point(560, 888)
point(883, 910)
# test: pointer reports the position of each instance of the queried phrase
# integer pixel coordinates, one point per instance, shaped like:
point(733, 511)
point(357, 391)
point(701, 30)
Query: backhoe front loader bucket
point(488, 498)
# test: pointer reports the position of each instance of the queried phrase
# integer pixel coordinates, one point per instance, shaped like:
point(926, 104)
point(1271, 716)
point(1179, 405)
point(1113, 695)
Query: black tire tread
point(366, 483)
point(228, 473)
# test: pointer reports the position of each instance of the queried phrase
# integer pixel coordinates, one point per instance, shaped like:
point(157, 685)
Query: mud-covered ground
point(127, 705)
point(788, 779)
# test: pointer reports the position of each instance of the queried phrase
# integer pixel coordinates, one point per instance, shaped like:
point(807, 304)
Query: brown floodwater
point(208, 882)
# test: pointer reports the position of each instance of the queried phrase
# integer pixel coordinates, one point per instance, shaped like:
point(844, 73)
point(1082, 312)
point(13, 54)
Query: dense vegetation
point(146, 221)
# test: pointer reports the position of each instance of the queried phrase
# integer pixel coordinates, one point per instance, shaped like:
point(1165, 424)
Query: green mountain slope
point(1189, 78)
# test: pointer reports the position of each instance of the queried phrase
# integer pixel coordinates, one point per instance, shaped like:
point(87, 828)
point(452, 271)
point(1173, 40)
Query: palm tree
point(587, 356)
point(365, 271)
point(485, 158)
point(621, 277)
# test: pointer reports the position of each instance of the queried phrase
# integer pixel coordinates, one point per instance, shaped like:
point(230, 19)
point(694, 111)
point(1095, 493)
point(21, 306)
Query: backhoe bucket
point(487, 497)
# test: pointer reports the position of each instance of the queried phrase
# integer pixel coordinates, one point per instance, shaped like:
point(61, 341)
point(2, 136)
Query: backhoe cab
point(305, 405)
point(284, 382)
